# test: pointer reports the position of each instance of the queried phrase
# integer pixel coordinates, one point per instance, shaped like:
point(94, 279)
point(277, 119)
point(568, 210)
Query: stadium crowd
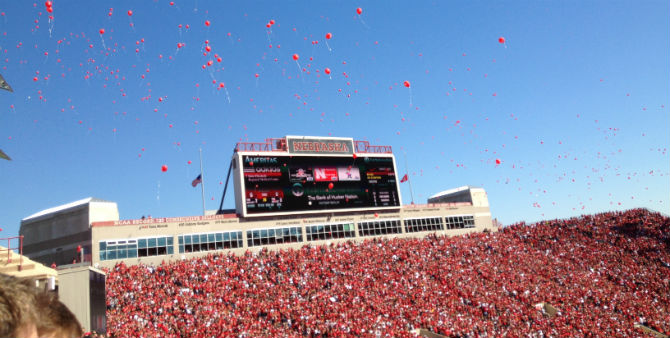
point(604, 273)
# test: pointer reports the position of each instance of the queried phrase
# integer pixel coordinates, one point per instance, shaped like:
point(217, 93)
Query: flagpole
point(408, 180)
point(202, 184)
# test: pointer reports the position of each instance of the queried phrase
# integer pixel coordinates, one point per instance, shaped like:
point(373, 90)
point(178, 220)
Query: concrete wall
point(103, 211)
point(82, 290)
point(479, 197)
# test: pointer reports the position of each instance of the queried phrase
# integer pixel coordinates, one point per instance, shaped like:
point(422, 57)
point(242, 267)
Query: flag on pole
point(404, 179)
point(197, 181)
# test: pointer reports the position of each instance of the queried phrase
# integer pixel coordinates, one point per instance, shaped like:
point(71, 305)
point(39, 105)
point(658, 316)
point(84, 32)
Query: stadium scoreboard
point(310, 174)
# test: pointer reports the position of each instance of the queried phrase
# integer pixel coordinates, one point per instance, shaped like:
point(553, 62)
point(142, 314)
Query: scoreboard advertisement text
point(277, 184)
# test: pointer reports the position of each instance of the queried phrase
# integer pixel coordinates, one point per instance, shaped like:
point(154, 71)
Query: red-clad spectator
point(604, 273)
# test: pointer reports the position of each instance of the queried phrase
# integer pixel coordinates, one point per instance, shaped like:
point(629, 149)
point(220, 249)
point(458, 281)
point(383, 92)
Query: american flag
point(197, 181)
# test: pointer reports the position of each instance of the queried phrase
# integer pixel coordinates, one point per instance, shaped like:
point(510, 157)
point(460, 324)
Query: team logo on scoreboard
point(348, 174)
point(325, 174)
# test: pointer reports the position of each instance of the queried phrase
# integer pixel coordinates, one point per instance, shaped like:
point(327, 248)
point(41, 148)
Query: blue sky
point(574, 104)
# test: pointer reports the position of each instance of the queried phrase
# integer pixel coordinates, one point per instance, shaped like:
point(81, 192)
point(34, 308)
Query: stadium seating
point(603, 273)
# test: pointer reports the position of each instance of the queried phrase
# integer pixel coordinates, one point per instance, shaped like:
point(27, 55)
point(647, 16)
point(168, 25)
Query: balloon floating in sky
point(359, 10)
point(501, 39)
point(164, 168)
point(327, 71)
point(130, 13)
point(407, 85)
point(328, 37)
point(331, 185)
point(102, 31)
point(207, 23)
point(498, 161)
point(296, 57)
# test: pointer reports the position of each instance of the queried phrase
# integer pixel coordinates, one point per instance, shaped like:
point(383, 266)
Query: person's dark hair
point(26, 310)
point(16, 311)
point(56, 320)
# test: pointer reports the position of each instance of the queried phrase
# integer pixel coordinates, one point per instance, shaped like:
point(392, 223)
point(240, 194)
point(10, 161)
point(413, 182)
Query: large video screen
point(308, 183)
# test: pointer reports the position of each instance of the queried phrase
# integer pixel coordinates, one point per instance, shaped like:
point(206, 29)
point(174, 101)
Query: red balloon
point(78, 248)
point(327, 71)
point(329, 35)
point(208, 48)
point(102, 31)
point(164, 168)
point(355, 156)
point(207, 23)
point(331, 185)
point(497, 161)
point(296, 57)
point(50, 9)
point(48, 3)
point(406, 84)
point(130, 13)
point(501, 39)
point(359, 10)
point(272, 22)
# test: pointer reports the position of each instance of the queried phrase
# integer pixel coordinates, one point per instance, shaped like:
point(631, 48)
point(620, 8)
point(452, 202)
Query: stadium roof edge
point(455, 190)
point(64, 207)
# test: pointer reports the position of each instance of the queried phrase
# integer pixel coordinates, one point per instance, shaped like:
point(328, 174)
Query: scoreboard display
point(284, 184)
